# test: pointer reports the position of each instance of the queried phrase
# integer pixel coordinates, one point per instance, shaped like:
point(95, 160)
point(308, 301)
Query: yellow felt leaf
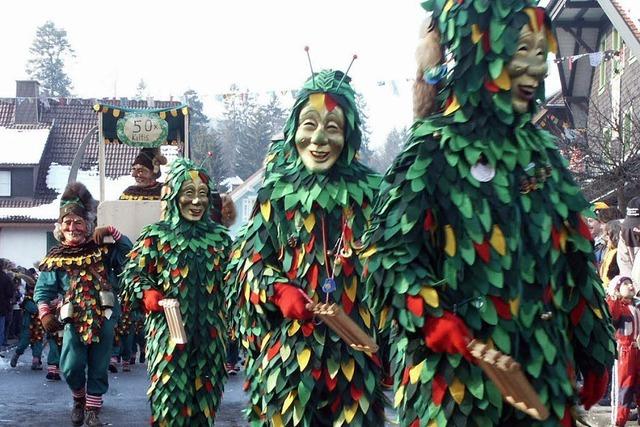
point(303, 358)
point(265, 210)
point(369, 252)
point(533, 19)
point(184, 271)
point(514, 304)
point(295, 325)
point(352, 289)
point(348, 368)
point(449, 240)
point(448, 6)
point(457, 390)
point(504, 80)
point(365, 316)
point(350, 412)
point(165, 377)
point(398, 397)
point(432, 423)
point(476, 34)
point(198, 383)
point(597, 312)
point(287, 402)
point(263, 296)
point(276, 420)
point(453, 106)
point(310, 222)
point(414, 373)
point(265, 340)
point(193, 174)
point(430, 296)
point(285, 352)
point(497, 240)
point(383, 317)
point(563, 239)
point(316, 101)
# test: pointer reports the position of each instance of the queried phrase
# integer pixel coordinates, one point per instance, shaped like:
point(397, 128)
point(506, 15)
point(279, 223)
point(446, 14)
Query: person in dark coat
point(6, 295)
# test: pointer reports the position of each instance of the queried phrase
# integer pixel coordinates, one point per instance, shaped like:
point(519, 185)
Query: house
point(39, 138)
point(599, 46)
point(244, 197)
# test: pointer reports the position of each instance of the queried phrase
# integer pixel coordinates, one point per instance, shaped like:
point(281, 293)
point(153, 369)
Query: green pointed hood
point(479, 38)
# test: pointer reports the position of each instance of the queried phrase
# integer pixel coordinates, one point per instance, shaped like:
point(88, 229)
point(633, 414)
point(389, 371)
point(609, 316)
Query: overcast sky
point(207, 46)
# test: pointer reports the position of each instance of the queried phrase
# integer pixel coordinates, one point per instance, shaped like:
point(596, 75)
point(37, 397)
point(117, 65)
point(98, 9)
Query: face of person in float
point(528, 67)
point(143, 176)
point(595, 227)
point(74, 230)
point(627, 290)
point(193, 198)
point(320, 136)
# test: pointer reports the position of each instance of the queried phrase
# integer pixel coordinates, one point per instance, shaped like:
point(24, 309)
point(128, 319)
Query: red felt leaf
point(576, 313)
point(583, 229)
point(491, 86)
point(438, 389)
point(331, 382)
point(348, 234)
point(185, 411)
point(168, 357)
point(356, 393)
point(486, 43)
point(275, 348)
point(309, 245)
point(415, 423)
point(347, 304)
point(365, 270)
point(329, 102)
point(483, 250)
point(548, 294)
point(316, 373)
point(555, 238)
point(307, 328)
point(293, 272)
point(336, 405)
point(289, 215)
point(567, 419)
point(415, 304)
point(376, 360)
point(347, 266)
point(429, 222)
point(175, 272)
point(256, 257)
point(503, 309)
point(405, 375)
point(312, 276)
point(213, 332)
point(148, 242)
point(246, 385)
point(208, 385)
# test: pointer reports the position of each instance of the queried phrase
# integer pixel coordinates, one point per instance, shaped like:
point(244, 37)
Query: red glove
point(447, 334)
point(291, 301)
point(595, 386)
point(151, 297)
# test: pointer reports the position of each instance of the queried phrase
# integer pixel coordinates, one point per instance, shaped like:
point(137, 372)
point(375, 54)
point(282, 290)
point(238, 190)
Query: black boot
point(14, 360)
point(77, 413)
point(141, 357)
point(91, 418)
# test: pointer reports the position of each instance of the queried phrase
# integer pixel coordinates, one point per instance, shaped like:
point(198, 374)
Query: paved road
point(28, 399)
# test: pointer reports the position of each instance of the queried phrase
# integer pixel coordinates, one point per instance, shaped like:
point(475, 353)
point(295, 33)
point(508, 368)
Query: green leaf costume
point(479, 216)
point(302, 373)
point(183, 260)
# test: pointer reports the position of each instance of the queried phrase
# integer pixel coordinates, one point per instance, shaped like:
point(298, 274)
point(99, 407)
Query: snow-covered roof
point(22, 146)
point(632, 7)
point(230, 183)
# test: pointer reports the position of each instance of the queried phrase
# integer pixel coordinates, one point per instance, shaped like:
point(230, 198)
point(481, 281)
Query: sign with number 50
point(142, 130)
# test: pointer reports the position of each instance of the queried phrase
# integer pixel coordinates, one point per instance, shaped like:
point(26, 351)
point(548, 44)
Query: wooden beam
point(578, 39)
point(572, 4)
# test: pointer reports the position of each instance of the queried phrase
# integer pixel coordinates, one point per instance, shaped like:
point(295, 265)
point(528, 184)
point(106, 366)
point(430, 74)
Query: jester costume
point(182, 259)
point(301, 240)
point(83, 273)
point(477, 233)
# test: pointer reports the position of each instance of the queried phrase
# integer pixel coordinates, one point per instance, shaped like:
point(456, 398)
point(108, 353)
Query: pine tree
point(382, 159)
point(366, 154)
point(49, 50)
point(203, 139)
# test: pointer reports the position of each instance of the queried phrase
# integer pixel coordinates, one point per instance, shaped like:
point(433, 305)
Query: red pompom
point(447, 334)
point(291, 301)
point(151, 298)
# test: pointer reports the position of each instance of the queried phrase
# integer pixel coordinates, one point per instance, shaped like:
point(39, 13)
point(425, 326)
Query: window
point(602, 71)
point(247, 207)
point(5, 183)
point(627, 125)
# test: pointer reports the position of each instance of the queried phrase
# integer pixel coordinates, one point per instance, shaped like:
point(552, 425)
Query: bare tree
point(605, 157)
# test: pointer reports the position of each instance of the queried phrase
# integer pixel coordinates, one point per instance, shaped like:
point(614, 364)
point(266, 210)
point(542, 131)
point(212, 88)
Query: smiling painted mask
point(320, 134)
point(193, 198)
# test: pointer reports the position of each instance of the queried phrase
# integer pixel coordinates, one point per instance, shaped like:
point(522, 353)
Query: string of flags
point(595, 58)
